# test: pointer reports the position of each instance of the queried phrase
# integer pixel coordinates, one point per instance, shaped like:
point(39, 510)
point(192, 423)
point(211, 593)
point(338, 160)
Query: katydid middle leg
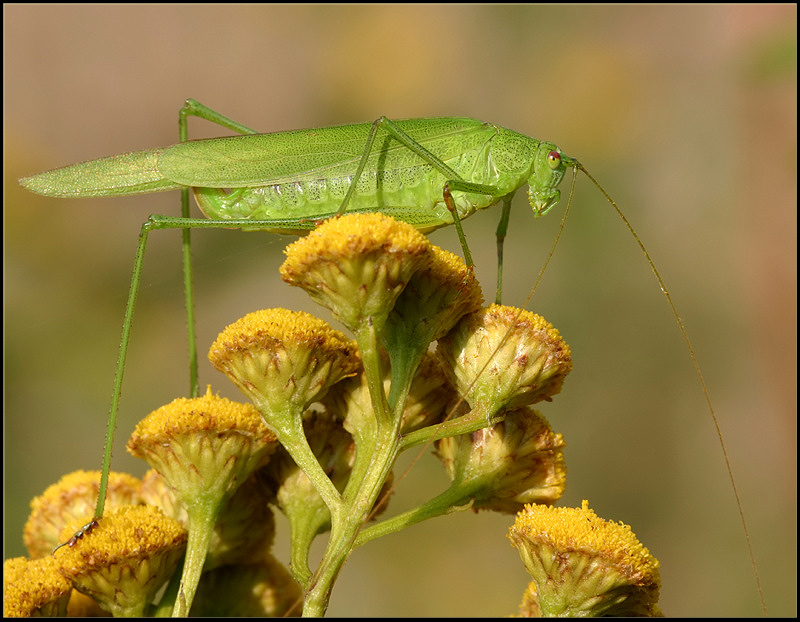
point(502, 227)
point(196, 109)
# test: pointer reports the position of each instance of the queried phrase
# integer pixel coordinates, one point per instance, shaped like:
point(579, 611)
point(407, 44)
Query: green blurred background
point(686, 114)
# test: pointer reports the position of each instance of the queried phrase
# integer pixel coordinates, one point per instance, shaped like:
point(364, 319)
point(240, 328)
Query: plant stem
point(365, 481)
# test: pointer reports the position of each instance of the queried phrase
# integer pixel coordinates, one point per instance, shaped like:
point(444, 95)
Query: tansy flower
point(283, 361)
point(497, 359)
point(204, 448)
point(74, 496)
point(356, 265)
point(583, 565)
point(507, 465)
point(125, 559)
point(201, 446)
point(34, 588)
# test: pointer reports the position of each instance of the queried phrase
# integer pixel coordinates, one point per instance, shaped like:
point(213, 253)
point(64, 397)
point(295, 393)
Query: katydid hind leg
point(152, 223)
point(190, 108)
point(127, 322)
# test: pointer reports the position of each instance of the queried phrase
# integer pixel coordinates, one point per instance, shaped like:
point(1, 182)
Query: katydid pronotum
point(428, 172)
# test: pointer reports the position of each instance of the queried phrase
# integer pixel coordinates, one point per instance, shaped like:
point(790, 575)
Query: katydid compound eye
point(554, 159)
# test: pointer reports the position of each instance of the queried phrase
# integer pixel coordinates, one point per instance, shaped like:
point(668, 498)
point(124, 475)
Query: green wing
point(128, 173)
point(260, 159)
point(306, 155)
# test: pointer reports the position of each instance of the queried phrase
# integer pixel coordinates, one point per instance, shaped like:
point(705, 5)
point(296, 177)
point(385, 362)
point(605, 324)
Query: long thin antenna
point(699, 375)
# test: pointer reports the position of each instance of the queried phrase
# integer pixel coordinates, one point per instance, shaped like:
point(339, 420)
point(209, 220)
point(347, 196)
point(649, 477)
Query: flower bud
point(502, 357)
point(516, 461)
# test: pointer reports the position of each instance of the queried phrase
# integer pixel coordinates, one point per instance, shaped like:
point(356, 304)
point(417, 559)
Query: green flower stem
point(369, 345)
point(303, 529)
point(166, 605)
point(375, 457)
point(478, 418)
point(457, 498)
point(288, 427)
point(358, 502)
point(202, 516)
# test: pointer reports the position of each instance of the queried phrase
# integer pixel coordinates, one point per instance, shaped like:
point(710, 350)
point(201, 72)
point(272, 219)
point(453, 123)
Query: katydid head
point(549, 165)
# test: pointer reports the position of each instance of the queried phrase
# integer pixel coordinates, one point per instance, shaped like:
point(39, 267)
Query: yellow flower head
point(205, 445)
point(356, 265)
point(34, 588)
point(584, 565)
point(125, 559)
point(73, 497)
point(283, 360)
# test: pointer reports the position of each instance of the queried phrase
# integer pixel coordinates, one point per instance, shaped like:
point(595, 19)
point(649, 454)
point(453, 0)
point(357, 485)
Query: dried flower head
point(585, 566)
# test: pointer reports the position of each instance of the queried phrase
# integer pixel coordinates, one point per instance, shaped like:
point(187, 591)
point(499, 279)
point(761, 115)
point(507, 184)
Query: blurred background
point(686, 115)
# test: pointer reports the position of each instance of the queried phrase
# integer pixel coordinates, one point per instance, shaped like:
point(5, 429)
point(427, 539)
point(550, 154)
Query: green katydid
point(428, 172)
